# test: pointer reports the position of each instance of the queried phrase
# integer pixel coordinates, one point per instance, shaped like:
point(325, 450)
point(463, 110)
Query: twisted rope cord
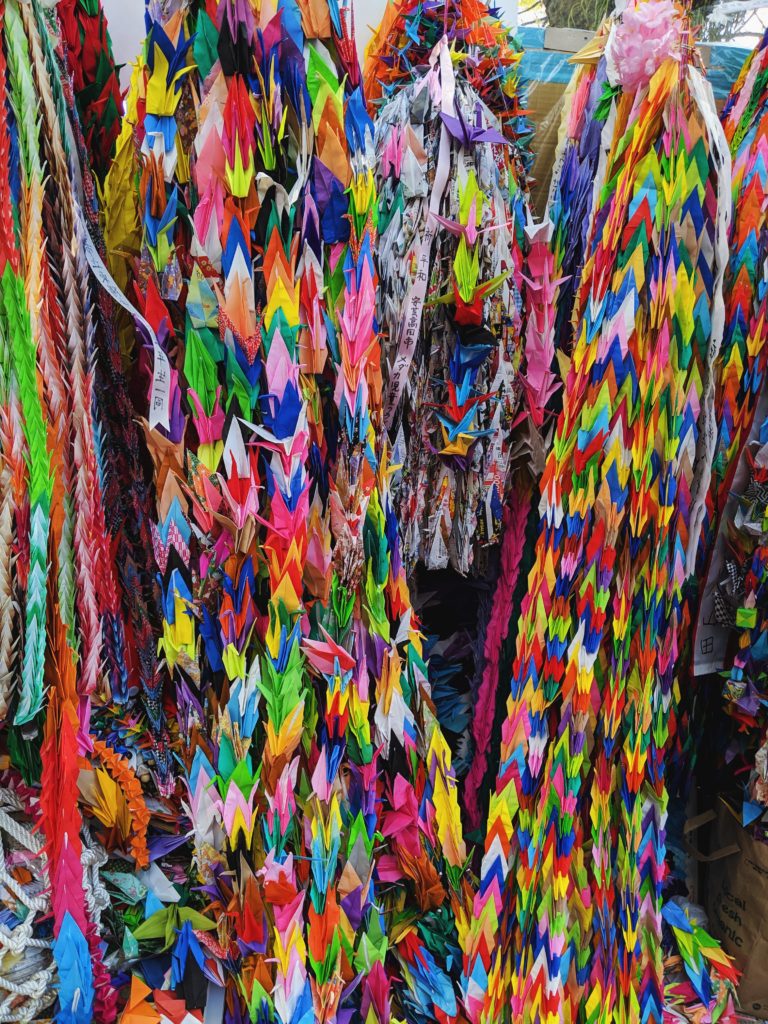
point(37, 903)
point(27, 1013)
point(38, 989)
point(93, 859)
point(20, 834)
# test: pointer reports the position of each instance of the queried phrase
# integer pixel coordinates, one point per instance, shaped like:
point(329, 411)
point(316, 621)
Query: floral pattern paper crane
point(319, 787)
point(453, 217)
point(452, 301)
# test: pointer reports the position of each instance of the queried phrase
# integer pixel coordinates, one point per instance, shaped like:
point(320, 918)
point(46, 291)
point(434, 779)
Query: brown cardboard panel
point(545, 107)
point(567, 40)
point(737, 895)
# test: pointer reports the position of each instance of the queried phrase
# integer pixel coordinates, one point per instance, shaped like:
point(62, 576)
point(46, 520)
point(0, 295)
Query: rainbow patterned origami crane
point(738, 568)
point(567, 917)
point(316, 445)
point(319, 788)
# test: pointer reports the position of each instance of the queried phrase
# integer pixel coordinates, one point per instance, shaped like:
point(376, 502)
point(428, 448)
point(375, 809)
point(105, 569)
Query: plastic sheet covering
point(547, 69)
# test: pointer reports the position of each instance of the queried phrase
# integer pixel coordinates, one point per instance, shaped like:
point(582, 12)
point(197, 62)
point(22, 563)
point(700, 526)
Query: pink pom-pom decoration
point(649, 32)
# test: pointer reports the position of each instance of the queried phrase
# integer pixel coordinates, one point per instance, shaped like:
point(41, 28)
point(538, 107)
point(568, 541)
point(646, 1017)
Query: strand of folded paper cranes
point(458, 390)
point(95, 80)
point(738, 379)
point(462, 402)
point(304, 716)
point(119, 451)
point(739, 603)
point(485, 47)
point(62, 637)
point(450, 260)
point(587, 719)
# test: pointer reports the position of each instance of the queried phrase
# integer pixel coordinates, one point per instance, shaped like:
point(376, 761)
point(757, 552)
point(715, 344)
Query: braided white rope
point(28, 1013)
point(37, 990)
point(22, 935)
point(93, 859)
point(30, 1010)
point(20, 834)
point(34, 988)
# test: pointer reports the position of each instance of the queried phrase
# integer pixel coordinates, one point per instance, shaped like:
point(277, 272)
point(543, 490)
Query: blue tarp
point(540, 65)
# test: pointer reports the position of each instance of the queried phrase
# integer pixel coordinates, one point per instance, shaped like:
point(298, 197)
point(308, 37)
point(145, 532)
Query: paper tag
point(414, 303)
point(710, 639)
point(702, 94)
point(214, 1004)
point(160, 397)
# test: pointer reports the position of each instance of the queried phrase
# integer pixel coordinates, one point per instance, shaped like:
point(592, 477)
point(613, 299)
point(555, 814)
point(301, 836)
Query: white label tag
point(414, 303)
point(160, 397)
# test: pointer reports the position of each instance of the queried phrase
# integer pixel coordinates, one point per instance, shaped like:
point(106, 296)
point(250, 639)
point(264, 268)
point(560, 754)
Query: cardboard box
point(736, 900)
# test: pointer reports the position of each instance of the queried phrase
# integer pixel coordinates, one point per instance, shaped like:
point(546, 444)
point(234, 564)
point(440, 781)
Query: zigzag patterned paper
point(63, 624)
point(573, 866)
point(320, 792)
point(735, 507)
